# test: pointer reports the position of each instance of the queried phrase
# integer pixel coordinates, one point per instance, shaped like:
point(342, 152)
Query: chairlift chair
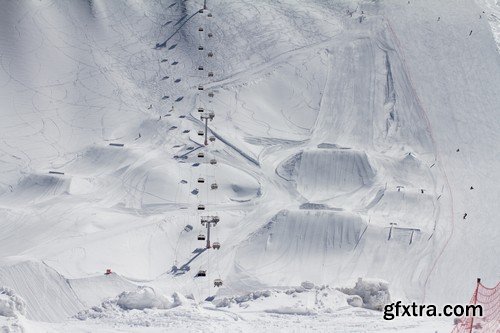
point(211, 94)
point(200, 132)
point(200, 11)
point(210, 74)
point(214, 186)
point(201, 110)
point(209, 15)
point(201, 155)
point(200, 87)
point(201, 272)
point(200, 68)
point(216, 245)
point(200, 48)
point(217, 283)
point(216, 219)
point(201, 180)
point(210, 35)
point(201, 207)
point(200, 29)
point(213, 161)
point(212, 138)
point(201, 237)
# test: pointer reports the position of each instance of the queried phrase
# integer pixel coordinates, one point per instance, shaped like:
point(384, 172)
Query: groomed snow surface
point(352, 162)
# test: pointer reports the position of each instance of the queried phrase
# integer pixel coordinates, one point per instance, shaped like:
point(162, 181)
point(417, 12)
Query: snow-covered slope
point(349, 140)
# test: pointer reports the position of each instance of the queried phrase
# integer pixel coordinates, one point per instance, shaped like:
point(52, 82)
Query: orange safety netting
point(489, 299)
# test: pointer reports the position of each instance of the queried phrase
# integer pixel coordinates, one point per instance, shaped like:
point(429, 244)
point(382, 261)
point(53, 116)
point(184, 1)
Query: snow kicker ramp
point(327, 246)
point(322, 173)
point(296, 245)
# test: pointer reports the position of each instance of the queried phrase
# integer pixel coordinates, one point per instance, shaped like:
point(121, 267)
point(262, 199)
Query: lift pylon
point(208, 222)
point(206, 117)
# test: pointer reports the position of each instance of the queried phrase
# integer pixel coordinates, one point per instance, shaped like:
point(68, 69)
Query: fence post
point(474, 298)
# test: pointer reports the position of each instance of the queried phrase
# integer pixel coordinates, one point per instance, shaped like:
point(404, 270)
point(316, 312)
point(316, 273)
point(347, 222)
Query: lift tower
point(205, 117)
point(208, 221)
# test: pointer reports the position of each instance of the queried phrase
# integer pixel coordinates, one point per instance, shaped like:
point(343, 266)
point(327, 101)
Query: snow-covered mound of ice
point(306, 299)
point(11, 305)
point(374, 293)
point(143, 298)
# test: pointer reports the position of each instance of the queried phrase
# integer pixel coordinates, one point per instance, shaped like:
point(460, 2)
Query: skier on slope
point(465, 215)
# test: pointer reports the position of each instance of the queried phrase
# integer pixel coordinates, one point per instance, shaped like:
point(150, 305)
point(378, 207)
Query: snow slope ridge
point(47, 294)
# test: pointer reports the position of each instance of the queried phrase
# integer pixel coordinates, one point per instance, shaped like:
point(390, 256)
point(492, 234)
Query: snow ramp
point(322, 173)
point(296, 245)
point(48, 295)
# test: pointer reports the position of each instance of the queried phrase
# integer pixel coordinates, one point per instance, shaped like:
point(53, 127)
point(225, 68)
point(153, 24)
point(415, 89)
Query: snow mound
point(322, 173)
point(306, 299)
point(374, 293)
point(143, 298)
point(11, 305)
point(136, 307)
